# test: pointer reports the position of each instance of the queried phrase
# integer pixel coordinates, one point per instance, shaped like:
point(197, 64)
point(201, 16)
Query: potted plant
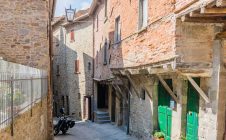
point(159, 136)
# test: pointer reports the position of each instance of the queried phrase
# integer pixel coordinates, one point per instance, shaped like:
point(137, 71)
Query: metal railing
point(20, 88)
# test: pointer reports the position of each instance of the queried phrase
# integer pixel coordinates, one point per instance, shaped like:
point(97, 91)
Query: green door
point(164, 110)
point(192, 112)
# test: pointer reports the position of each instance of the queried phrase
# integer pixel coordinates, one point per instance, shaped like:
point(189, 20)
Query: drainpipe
point(93, 72)
point(128, 118)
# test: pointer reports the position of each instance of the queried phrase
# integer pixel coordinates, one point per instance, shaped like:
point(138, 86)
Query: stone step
point(103, 118)
point(101, 113)
point(102, 121)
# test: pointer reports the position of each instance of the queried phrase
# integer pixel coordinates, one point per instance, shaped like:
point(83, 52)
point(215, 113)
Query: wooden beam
point(221, 35)
point(199, 90)
point(205, 10)
point(221, 3)
point(196, 14)
point(203, 19)
point(186, 6)
point(165, 85)
point(120, 91)
point(133, 85)
point(117, 95)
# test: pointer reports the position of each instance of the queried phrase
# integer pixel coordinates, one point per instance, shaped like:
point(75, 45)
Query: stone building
point(171, 54)
point(73, 65)
point(25, 31)
point(110, 104)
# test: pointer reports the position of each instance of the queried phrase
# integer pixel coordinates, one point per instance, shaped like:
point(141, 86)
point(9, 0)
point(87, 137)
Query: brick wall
point(25, 40)
point(139, 47)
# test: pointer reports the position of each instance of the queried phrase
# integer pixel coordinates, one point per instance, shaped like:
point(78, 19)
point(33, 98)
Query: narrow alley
point(152, 69)
point(94, 131)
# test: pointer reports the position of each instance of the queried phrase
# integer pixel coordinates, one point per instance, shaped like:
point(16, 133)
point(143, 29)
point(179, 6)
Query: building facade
point(73, 65)
point(26, 39)
point(173, 55)
point(158, 66)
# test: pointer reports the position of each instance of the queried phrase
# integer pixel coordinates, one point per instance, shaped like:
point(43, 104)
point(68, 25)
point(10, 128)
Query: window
point(58, 70)
point(77, 66)
point(89, 65)
point(72, 35)
point(117, 30)
point(97, 23)
point(143, 13)
point(142, 95)
point(57, 41)
point(105, 52)
point(79, 96)
point(63, 101)
point(106, 8)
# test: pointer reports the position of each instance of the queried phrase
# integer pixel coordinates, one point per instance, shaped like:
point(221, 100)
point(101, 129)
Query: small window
point(97, 23)
point(142, 95)
point(105, 52)
point(97, 62)
point(72, 35)
point(63, 101)
point(57, 41)
point(89, 65)
point(58, 70)
point(117, 30)
point(106, 8)
point(77, 66)
point(79, 96)
point(143, 13)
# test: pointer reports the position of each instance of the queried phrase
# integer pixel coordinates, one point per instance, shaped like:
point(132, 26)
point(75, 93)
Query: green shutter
point(192, 112)
point(164, 110)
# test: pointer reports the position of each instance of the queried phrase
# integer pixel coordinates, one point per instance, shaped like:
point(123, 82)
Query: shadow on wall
point(72, 75)
point(65, 81)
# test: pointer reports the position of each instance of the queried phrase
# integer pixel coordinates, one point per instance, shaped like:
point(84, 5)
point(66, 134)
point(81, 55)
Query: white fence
point(20, 88)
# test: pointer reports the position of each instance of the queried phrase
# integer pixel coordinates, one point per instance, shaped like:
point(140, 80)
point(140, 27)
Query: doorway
point(87, 108)
point(102, 96)
point(164, 110)
point(192, 111)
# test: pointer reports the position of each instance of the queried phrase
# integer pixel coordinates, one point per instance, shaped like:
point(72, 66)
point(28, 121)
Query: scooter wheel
point(64, 132)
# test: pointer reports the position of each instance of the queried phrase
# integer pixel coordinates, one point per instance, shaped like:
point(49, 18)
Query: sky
point(78, 4)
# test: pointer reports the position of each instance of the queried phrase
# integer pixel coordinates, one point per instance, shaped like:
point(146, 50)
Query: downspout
point(50, 94)
point(93, 71)
point(128, 118)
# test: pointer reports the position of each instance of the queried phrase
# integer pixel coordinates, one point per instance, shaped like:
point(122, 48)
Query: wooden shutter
point(72, 35)
point(76, 66)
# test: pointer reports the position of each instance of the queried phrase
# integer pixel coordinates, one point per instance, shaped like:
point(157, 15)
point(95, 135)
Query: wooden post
point(200, 91)
point(168, 88)
point(133, 85)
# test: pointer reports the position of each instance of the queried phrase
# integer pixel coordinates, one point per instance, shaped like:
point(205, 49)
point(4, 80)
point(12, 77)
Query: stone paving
point(93, 131)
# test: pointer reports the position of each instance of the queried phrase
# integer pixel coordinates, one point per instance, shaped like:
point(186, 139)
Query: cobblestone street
point(93, 131)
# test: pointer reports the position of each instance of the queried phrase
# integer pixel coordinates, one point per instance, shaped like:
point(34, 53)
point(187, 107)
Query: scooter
point(63, 124)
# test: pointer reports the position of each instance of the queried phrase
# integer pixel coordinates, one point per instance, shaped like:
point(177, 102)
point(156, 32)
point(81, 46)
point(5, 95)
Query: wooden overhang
point(202, 12)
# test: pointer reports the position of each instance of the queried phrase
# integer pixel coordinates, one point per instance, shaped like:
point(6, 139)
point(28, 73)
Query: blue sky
point(78, 4)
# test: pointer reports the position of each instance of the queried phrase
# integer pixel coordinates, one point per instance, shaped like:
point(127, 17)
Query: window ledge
point(77, 72)
point(143, 29)
point(105, 20)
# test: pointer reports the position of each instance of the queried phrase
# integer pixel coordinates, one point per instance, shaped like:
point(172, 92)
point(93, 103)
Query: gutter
point(93, 71)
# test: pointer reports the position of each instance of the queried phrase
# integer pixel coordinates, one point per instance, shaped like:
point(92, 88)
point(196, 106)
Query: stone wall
point(27, 127)
point(68, 82)
point(25, 40)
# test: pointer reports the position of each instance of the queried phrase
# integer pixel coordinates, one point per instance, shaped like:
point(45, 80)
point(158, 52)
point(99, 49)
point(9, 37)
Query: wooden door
point(164, 110)
point(192, 112)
